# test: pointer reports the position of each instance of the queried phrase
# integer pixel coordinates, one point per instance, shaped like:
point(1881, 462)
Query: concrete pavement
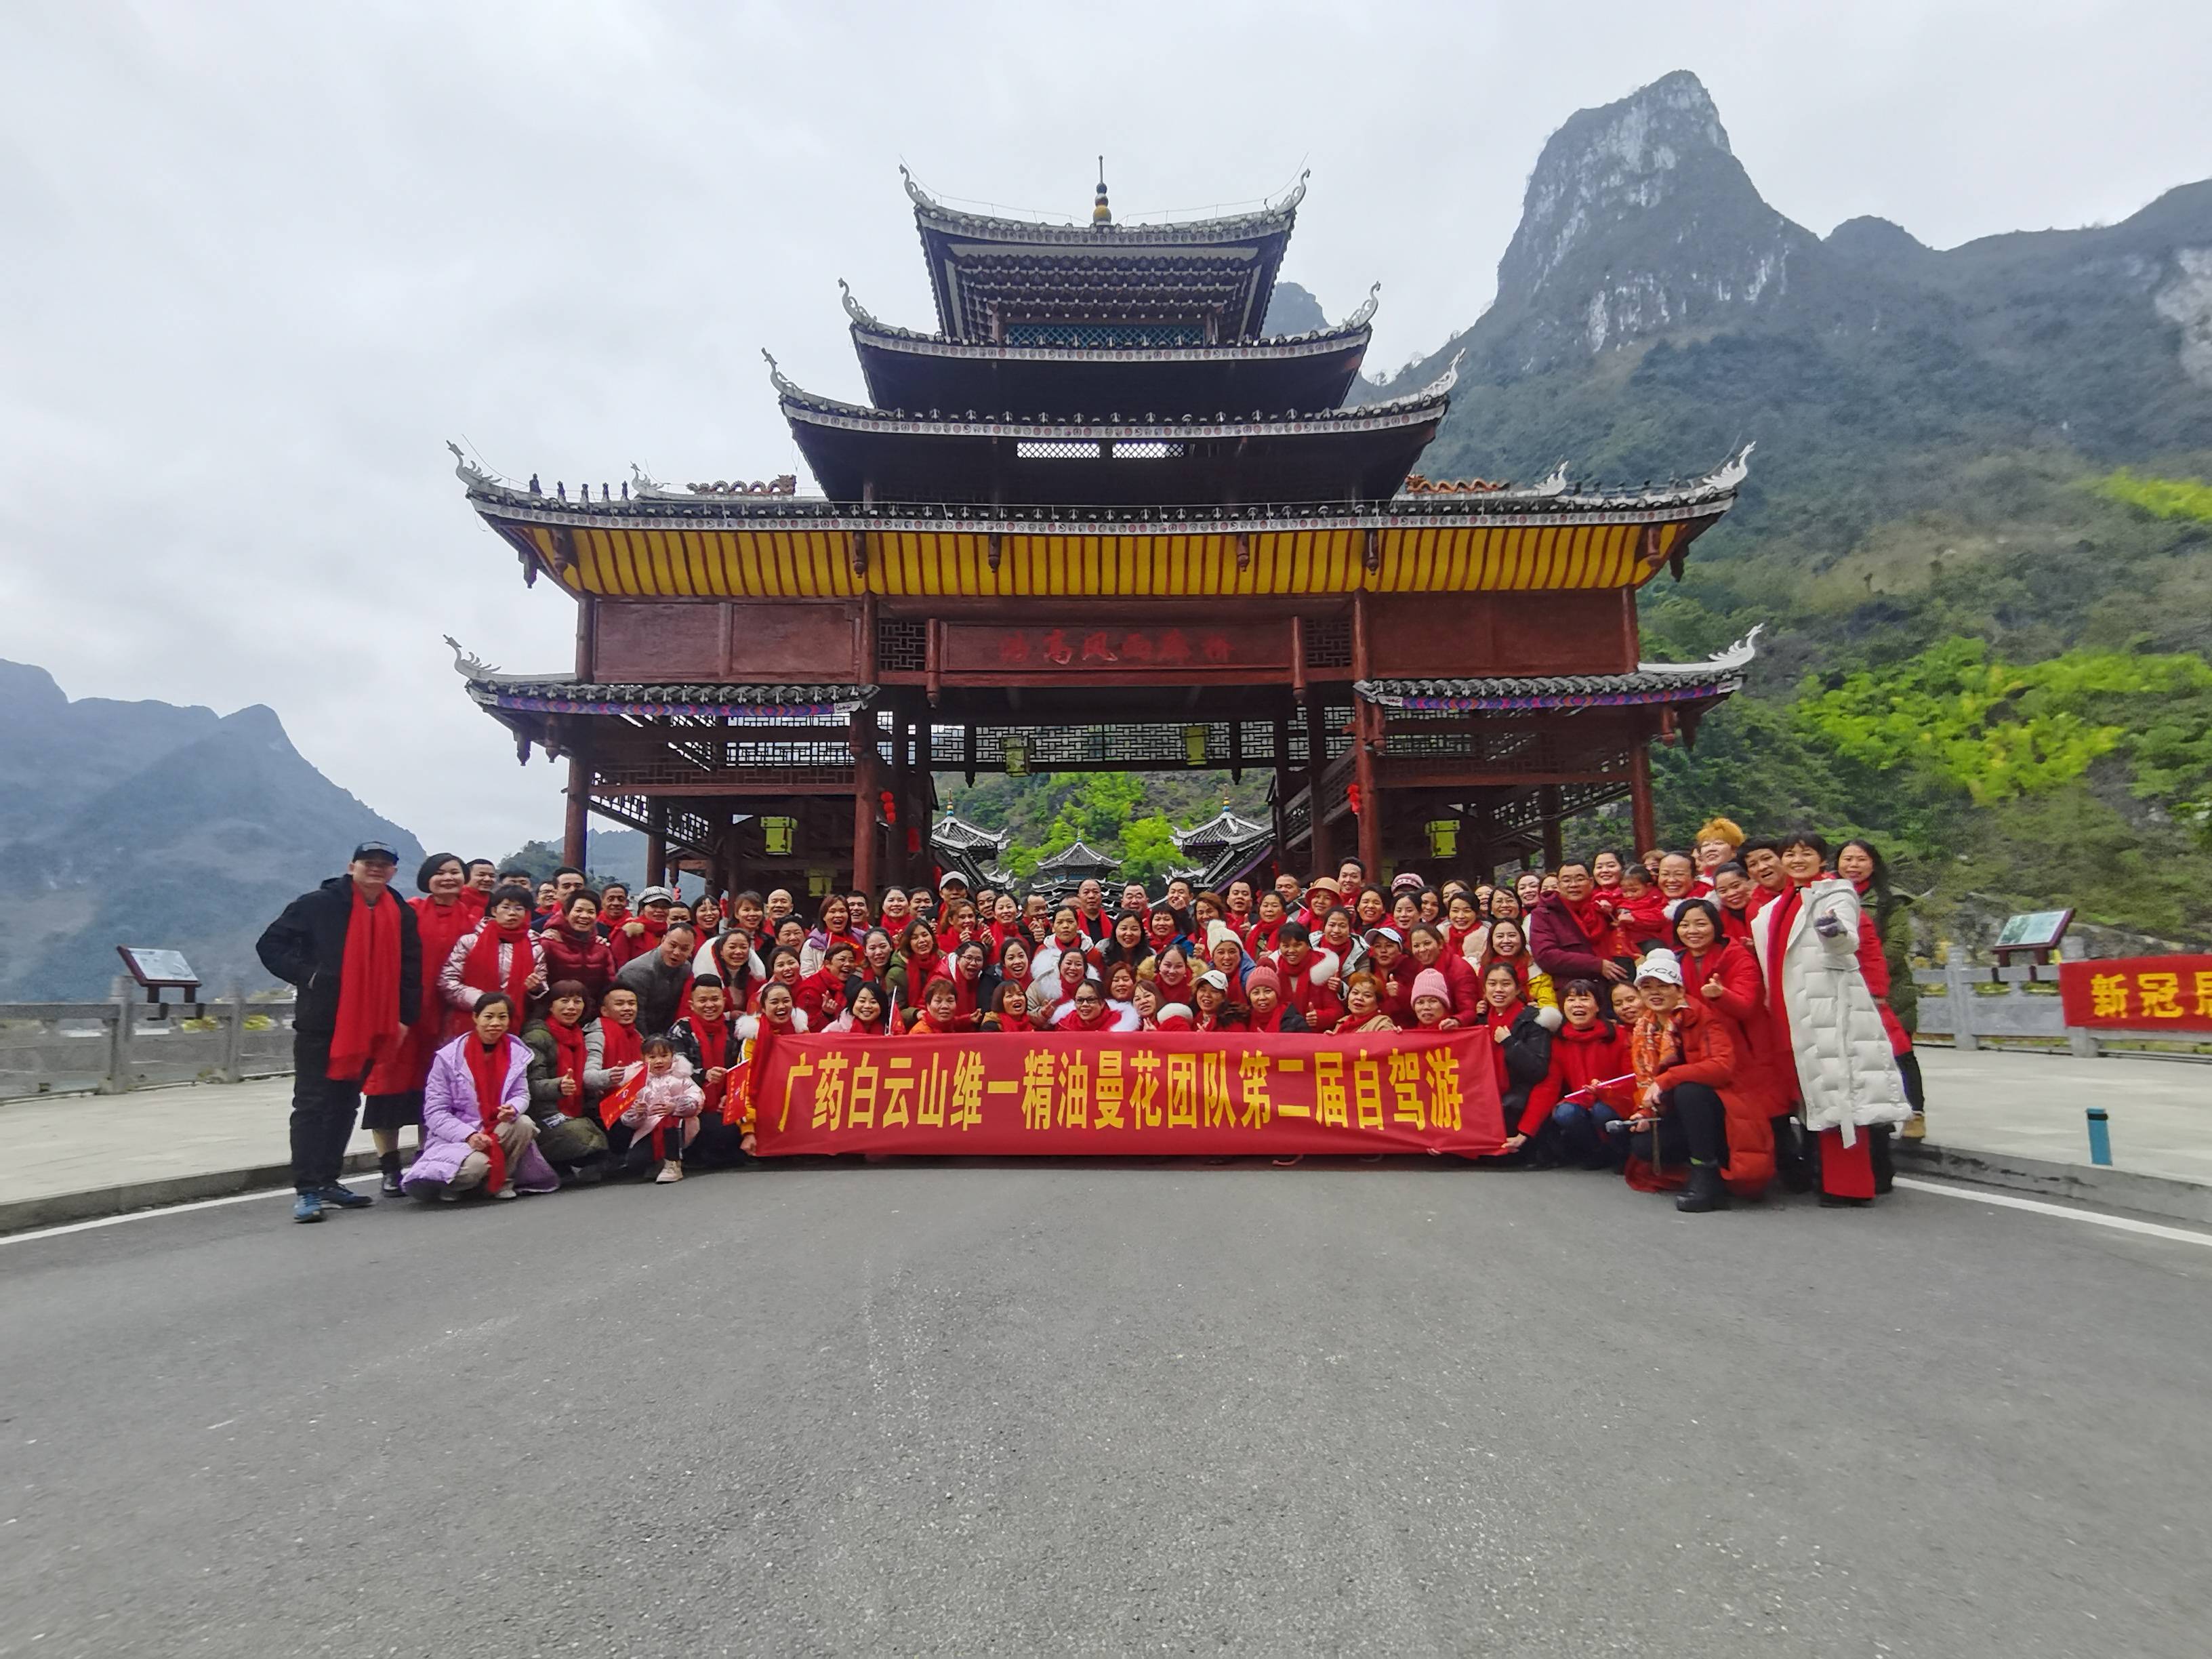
point(1039, 1409)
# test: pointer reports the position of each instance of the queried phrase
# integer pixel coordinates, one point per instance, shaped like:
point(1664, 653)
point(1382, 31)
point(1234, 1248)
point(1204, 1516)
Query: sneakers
point(307, 1206)
point(389, 1167)
point(507, 1191)
point(346, 1198)
point(670, 1170)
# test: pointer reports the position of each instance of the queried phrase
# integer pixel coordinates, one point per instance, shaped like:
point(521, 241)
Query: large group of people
point(1705, 1021)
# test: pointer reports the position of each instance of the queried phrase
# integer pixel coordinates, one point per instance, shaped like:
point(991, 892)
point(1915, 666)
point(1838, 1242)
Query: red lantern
point(889, 805)
point(1351, 799)
point(913, 839)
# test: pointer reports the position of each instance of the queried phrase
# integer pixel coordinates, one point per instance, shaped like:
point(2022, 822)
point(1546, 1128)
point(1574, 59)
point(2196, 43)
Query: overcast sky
point(262, 259)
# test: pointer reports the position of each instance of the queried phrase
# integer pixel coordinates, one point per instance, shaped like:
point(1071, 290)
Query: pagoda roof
point(1076, 856)
point(1313, 370)
point(986, 271)
point(1360, 453)
point(568, 694)
point(1221, 829)
point(953, 830)
point(682, 543)
point(1715, 677)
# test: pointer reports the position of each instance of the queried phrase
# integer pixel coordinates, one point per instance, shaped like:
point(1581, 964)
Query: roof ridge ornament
point(1554, 484)
point(916, 193)
point(1731, 472)
point(468, 473)
point(1364, 315)
point(1297, 194)
point(1733, 659)
point(1102, 215)
point(1443, 382)
point(784, 385)
point(855, 309)
point(467, 663)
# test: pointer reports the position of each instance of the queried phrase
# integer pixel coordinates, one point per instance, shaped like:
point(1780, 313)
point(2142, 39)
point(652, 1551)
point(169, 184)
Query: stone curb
point(57, 1209)
point(2080, 1183)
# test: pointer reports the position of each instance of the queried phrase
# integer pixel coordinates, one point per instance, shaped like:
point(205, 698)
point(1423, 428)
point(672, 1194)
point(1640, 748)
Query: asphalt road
point(1043, 1409)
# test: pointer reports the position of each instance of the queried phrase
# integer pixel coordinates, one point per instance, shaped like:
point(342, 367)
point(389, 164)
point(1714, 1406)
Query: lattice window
point(1056, 449)
point(1145, 449)
point(1328, 644)
point(901, 646)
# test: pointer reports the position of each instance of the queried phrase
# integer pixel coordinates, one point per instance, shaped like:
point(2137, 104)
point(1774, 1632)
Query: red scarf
point(1016, 1022)
point(619, 1044)
point(480, 971)
point(1776, 918)
point(489, 1067)
point(568, 1062)
point(441, 927)
point(964, 994)
point(368, 1028)
point(713, 1036)
point(1077, 1021)
point(1587, 916)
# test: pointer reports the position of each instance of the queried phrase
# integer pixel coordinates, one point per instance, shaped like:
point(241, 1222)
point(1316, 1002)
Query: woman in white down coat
point(1808, 939)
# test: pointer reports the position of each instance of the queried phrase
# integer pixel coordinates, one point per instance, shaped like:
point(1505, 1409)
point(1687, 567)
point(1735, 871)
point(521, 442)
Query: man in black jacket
point(306, 946)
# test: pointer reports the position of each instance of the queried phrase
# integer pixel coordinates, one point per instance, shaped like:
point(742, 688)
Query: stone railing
point(1967, 1005)
point(109, 1048)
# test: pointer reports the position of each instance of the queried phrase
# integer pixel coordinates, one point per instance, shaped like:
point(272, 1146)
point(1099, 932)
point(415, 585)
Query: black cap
point(375, 849)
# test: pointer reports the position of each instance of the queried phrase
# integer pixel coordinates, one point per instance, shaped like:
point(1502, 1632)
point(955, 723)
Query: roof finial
point(1100, 213)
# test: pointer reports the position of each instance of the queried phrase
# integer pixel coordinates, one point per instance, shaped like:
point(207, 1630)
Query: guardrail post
point(234, 1037)
point(120, 1074)
point(1961, 990)
point(2083, 1044)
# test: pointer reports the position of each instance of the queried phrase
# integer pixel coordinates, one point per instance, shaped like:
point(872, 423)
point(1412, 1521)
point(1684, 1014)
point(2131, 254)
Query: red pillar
point(864, 804)
point(1367, 733)
point(577, 818)
point(1639, 795)
point(1321, 859)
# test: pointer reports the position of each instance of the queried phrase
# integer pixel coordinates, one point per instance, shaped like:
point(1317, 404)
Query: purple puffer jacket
point(450, 1118)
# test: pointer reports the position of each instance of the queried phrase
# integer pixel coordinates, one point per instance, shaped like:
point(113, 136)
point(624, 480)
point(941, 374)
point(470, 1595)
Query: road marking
point(155, 1215)
point(2117, 1223)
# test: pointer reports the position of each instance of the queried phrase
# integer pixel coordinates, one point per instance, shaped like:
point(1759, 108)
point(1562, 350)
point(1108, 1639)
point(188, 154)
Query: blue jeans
point(1583, 1136)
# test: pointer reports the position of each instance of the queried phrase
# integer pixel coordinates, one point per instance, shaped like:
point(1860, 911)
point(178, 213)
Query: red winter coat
point(1580, 1058)
point(1311, 997)
point(1464, 983)
point(1709, 1057)
point(587, 960)
point(1741, 1005)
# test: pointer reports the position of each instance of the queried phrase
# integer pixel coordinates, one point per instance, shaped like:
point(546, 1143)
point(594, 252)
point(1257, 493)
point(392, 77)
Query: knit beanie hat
point(1660, 965)
point(1267, 976)
point(1217, 931)
point(1430, 983)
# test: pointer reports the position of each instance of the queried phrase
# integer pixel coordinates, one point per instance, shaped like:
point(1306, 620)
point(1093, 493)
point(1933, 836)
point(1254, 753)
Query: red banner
point(1175, 1095)
point(2138, 994)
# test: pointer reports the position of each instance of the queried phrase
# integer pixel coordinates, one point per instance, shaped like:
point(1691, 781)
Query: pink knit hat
point(1430, 983)
point(1267, 976)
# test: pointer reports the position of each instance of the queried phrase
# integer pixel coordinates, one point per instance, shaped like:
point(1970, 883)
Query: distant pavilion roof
point(1223, 829)
point(953, 830)
point(994, 277)
point(1076, 856)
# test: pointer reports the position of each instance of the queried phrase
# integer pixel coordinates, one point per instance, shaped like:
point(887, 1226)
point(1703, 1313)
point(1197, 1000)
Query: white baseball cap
point(1660, 965)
